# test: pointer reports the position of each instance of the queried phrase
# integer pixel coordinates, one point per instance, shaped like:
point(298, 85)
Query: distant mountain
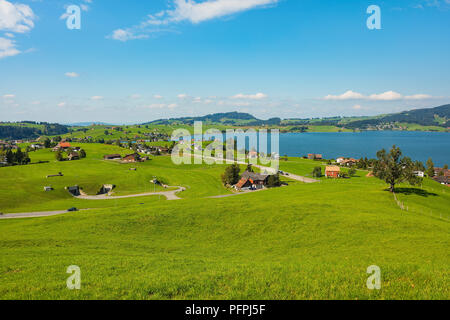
point(439, 116)
point(87, 124)
point(229, 118)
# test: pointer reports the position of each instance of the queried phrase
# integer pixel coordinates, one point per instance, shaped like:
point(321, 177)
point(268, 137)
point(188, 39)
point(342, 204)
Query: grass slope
point(303, 241)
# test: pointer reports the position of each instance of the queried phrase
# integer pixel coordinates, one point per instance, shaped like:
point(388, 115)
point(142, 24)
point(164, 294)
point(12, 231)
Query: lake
point(416, 145)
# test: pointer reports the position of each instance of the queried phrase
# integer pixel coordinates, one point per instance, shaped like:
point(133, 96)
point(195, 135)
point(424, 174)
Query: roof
point(254, 176)
point(241, 182)
point(64, 144)
point(112, 156)
point(332, 169)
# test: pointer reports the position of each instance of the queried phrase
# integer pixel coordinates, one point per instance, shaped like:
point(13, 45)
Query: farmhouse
point(445, 180)
point(419, 174)
point(112, 157)
point(251, 180)
point(349, 162)
point(313, 156)
point(64, 145)
point(441, 172)
point(73, 156)
point(332, 171)
point(134, 157)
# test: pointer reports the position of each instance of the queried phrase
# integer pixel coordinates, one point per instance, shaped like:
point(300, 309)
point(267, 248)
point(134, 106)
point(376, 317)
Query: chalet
point(36, 146)
point(332, 172)
point(252, 181)
point(445, 180)
point(349, 162)
point(134, 157)
point(313, 156)
point(441, 172)
point(419, 174)
point(112, 157)
point(340, 160)
point(73, 156)
point(163, 149)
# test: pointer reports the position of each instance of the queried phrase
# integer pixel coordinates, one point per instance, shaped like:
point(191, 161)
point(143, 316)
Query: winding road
point(170, 195)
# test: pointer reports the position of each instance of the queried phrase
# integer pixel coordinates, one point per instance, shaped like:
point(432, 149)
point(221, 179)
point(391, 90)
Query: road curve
point(170, 195)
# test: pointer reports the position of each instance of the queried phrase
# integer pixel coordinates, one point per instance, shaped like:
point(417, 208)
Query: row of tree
point(15, 158)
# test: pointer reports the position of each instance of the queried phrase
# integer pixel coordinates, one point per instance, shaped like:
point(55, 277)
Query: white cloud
point(8, 48)
point(182, 96)
point(419, 96)
point(349, 95)
point(197, 12)
point(61, 104)
point(72, 74)
point(96, 98)
point(135, 96)
point(357, 107)
point(125, 35)
point(385, 96)
point(157, 96)
point(9, 96)
point(257, 96)
point(16, 17)
point(162, 106)
point(188, 10)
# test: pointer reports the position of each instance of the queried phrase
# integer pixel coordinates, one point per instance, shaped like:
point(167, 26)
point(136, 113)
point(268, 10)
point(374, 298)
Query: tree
point(445, 167)
point(47, 143)
point(317, 172)
point(351, 172)
point(394, 169)
point(274, 181)
point(430, 168)
point(231, 175)
point(59, 155)
point(249, 168)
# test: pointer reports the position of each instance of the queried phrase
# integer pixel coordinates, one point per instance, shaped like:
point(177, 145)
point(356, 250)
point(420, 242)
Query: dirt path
point(170, 195)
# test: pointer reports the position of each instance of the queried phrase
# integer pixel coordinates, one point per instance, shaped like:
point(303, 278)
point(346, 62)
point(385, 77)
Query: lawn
point(302, 241)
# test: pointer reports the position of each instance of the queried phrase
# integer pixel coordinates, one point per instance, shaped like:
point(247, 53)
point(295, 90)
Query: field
point(301, 241)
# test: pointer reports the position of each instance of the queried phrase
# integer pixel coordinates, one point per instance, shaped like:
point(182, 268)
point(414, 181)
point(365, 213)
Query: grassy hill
point(301, 241)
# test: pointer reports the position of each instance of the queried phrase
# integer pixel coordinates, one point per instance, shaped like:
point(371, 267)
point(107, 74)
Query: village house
point(112, 157)
point(445, 180)
point(252, 181)
point(332, 172)
point(134, 157)
point(441, 172)
point(313, 156)
point(419, 174)
point(349, 162)
point(36, 146)
point(340, 160)
point(73, 156)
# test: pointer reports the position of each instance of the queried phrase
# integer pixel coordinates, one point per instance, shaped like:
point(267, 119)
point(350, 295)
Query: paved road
point(170, 195)
point(33, 214)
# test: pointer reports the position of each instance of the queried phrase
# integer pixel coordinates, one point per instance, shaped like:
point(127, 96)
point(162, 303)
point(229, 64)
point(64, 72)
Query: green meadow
point(300, 241)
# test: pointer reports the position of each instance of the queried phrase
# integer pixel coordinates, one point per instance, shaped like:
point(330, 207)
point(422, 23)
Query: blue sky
point(135, 61)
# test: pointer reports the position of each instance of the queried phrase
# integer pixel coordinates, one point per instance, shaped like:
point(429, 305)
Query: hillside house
point(332, 172)
point(441, 172)
point(134, 157)
point(73, 156)
point(419, 174)
point(64, 145)
point(349, 162)
point(112, 157)
point(252, 181)
point(445, 180)
point(314, 156)
point(340, 160)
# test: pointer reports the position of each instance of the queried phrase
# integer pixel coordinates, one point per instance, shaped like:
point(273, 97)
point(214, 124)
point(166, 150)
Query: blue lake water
point(416, 145)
